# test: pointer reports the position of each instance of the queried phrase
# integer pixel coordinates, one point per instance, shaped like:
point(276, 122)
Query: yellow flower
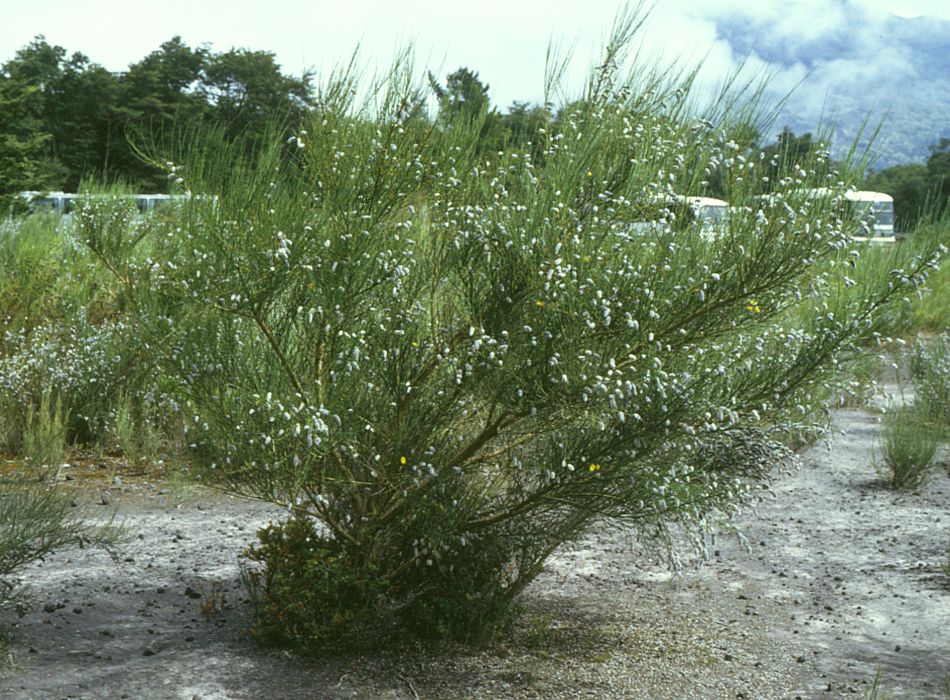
point(402, 460)
point(415, 344)
point(590, 173)
point(586, 258)
point(539, 303)
point(595, 467)
point(753, 307)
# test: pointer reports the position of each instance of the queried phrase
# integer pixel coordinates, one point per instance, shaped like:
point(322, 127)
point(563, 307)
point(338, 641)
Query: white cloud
point(504, 40)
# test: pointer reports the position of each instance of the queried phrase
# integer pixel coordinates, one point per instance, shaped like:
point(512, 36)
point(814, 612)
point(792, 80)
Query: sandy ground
point(841, 579)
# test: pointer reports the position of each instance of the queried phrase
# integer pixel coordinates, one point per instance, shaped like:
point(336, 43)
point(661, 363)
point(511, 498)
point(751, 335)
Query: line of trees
point(918, 189)
point(64, 117)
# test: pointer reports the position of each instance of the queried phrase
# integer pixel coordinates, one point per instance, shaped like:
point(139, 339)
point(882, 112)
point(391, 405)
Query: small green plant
point(44, 440)
point(137, 433)
point(306, 593)
point(909, 442)
point(36, 519)
point(876, 691)
point(539, 629)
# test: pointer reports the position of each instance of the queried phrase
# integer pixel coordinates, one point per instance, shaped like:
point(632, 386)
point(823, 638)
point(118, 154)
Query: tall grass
point(909, 443)
point(44, 440)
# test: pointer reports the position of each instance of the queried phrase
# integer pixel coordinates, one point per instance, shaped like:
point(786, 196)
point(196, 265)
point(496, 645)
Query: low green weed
point(36, 519)
point(876, 691)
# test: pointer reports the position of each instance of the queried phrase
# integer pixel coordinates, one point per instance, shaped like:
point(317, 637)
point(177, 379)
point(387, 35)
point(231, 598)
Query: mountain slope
point(859, 68)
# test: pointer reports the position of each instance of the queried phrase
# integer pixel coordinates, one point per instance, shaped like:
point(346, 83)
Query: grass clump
point(909, 443)
point(44, 438)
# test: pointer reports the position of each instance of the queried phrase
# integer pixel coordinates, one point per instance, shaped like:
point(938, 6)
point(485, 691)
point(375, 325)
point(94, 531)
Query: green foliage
point(247, 90)
point(36, 520)
point(137, 429)
point(930, 370)
point(920, 192)
point(447, 362)
point(309, 593)
point(909, 442)
point(44, 440)
point(64, 118)
point(64, 333)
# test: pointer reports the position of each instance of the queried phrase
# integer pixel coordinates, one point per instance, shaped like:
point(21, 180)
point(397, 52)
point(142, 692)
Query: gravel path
point(841, 579)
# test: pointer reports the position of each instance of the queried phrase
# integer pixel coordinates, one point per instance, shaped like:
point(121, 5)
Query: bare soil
point(840, 579)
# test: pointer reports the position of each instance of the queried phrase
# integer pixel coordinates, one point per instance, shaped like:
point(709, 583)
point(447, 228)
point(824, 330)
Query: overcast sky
point(503, 40)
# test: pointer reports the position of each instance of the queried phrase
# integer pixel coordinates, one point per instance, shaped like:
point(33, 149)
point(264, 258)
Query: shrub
point(79, 363)
point(308, 591)
point(62, 330)
point(909, 442)
point(447, 363)
point(930, 370)
point(35, 520)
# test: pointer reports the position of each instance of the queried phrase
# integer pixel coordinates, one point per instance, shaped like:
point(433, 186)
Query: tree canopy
point(65, 117)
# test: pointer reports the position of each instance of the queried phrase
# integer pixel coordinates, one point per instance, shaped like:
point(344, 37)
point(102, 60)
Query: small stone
point(192, 593)
point(800, 659)
point(117, 480)
point(149, 651)
point(50, 607)
point(105, 498)
point(77, 610)
point(897, 647)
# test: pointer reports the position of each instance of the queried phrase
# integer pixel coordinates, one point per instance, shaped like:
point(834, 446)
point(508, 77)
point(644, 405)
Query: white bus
point(709, 213)
point(875, 210)
point(65, 202)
